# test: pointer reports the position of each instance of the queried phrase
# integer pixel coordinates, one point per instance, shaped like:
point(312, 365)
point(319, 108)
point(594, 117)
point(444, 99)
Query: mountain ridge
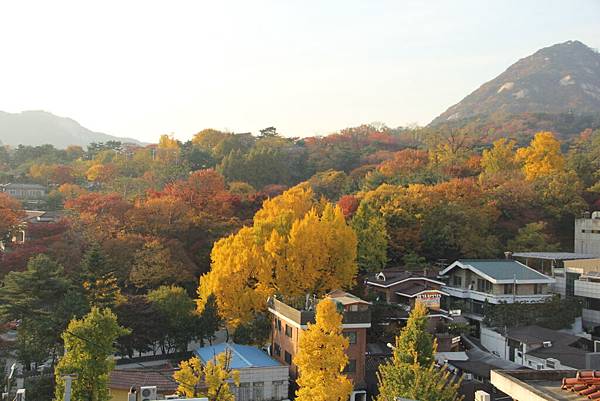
point(561, 78)
point(38, 127)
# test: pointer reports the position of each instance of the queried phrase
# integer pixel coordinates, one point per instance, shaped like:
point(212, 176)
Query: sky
point(145, 68)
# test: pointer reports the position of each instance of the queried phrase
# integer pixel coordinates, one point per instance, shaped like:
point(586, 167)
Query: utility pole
point(68, 380)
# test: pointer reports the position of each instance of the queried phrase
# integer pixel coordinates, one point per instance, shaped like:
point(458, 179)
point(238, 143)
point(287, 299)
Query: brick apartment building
point(290, 322)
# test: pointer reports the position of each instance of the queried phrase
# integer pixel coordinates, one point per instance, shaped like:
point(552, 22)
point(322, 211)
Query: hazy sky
point(145, 68)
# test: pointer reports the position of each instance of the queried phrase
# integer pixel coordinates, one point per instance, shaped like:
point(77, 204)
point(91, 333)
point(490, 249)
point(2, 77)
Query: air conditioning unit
point(148, 393)
point(468, 376)
point(481, 395)
point(547, 344)
point(20, 395)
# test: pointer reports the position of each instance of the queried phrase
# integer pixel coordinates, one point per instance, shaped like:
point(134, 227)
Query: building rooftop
point(242, 356)
point(390, 277)
point(345, 298)
point(554, 255)
point(500, 271)
point(569, 349)
point(162, 378)
point(535, 385)
point(23, 186)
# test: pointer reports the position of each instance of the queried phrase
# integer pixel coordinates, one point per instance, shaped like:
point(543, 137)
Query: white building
point(587, 234)
point(540, 348)
point(475, 281)
point(262, 378)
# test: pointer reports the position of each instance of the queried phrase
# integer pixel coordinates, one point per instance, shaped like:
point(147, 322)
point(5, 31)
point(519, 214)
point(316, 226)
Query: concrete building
point(25, 192)
point(540, 348)
point(587, 234)
point(289, 322)
point(581, 278)
point(475, 281)
point(262, 378)
point(545, 385)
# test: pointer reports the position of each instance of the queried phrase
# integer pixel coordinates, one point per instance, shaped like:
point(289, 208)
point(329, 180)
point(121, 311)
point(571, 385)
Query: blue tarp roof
point(242, 356)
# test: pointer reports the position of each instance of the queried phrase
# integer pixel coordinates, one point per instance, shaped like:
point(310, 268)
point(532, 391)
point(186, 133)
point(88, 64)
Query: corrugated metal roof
point(554, 255)
point(242, 356)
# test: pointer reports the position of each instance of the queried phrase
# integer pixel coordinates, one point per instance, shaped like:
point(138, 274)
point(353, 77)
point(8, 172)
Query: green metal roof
point(503, 269)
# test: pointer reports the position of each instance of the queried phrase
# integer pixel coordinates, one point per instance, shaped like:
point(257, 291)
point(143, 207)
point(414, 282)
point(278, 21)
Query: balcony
point(303, 317)
point(466, 293)
point(587, 289)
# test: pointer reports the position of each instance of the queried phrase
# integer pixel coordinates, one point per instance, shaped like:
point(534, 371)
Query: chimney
point(508, 255)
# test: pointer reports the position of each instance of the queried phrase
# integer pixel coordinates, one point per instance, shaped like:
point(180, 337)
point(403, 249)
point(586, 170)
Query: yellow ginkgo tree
point(543, 157)
point(321, 358)
point(211, 380)
point(296, 246)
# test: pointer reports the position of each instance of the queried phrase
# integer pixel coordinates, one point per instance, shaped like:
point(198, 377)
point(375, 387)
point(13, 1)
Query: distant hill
point(560, 79)
point(40, 128)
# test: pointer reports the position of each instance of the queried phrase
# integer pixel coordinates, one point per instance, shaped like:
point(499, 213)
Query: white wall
point(267, 376)
point(494, 342)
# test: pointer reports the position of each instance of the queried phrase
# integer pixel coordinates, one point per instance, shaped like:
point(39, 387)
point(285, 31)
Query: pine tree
point(321, 358)
point(44, 300)
point(98, 279)
point(89, 347)
point(412, 372)
point(372, 237)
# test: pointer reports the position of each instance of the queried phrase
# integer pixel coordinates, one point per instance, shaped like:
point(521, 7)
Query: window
point(276, 349)
point(508, 288)
point(278, 390)
point(278, 324)
point(537, 288)
point(288, 358)
point(288, 331)
point(258, 391)
point(244, 392)
point(457, 281)
point(351, 336)
point(351, 367)
point(483, 285)
point(353, 308)
point(550, 364)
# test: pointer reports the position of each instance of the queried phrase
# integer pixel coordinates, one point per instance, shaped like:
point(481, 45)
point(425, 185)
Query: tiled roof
point(242, 356)
point(162, 378)
point(586, 383)
point(500, 270)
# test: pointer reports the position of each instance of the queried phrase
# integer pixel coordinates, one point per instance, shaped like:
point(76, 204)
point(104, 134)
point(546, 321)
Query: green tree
point(44, 300)
point(98, 279)
point(89, 346)
point(179, 312)
point(372, 237)
point(414, 339)
point(532, 237)
point(412, 372)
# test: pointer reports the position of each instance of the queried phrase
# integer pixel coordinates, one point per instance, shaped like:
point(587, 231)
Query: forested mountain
point(40, 128)
point(560, 79)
